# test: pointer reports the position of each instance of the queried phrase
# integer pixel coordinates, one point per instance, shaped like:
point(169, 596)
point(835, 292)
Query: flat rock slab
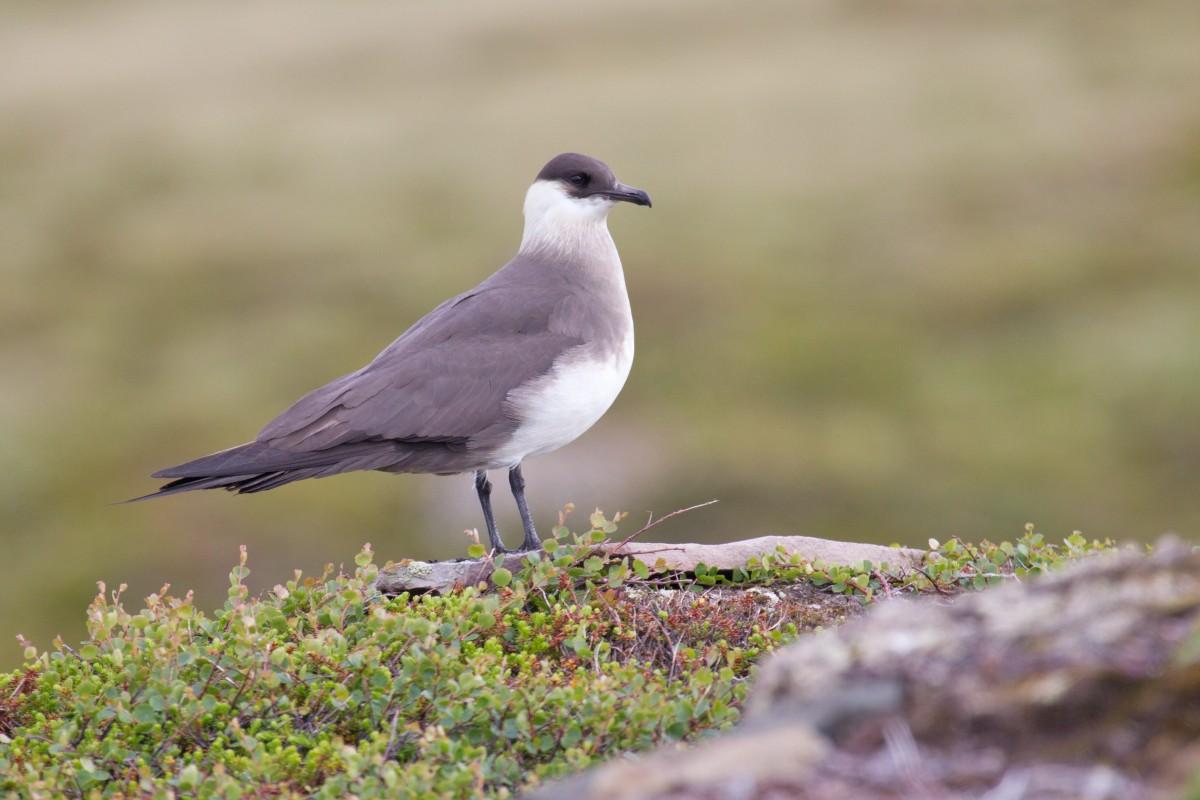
point(438, 577)
point(685, 557)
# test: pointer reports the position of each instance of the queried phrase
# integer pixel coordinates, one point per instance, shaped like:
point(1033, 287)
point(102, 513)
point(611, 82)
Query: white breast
point(558, 407)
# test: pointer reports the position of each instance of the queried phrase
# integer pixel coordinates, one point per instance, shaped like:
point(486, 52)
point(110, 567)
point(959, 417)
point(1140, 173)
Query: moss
point(323, 686)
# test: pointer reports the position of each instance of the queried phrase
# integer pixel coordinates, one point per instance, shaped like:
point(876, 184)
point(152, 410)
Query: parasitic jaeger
point(520, 365)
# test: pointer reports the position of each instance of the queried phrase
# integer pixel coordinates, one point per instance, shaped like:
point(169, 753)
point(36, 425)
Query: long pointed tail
point(242, 484)
point(257, 467)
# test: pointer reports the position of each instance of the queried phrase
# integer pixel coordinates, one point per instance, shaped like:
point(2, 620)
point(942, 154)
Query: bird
point(519, 366)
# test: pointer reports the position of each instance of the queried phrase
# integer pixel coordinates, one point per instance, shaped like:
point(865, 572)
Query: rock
point(445, 576)
point(1082, 684)
point(753, 758)
point(439, 577)
point(685, 557)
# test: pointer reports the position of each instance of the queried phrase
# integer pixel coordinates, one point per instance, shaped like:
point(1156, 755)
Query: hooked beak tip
point(629, 194)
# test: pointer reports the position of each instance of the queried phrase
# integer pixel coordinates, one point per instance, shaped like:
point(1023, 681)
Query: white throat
point(565, 226)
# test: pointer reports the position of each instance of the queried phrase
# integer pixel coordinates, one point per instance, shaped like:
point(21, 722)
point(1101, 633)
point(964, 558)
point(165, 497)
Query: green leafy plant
point(322, 686)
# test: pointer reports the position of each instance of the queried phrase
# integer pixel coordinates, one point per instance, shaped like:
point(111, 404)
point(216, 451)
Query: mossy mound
point(323, 686)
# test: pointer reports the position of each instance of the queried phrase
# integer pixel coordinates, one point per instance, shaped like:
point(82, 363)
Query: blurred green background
point(914, 268)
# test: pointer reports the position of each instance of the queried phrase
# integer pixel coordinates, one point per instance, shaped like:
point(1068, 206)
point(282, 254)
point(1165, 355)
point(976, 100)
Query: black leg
point(484, 489)
point(517, 482)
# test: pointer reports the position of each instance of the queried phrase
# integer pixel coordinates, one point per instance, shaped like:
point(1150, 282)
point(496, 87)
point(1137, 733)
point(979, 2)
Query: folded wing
point(424, 404)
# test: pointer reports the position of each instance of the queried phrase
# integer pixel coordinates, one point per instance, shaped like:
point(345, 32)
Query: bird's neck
point(557, 227)
point(587, 244)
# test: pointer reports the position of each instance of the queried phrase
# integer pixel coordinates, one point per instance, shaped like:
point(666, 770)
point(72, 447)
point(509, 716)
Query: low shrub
point(324, 687)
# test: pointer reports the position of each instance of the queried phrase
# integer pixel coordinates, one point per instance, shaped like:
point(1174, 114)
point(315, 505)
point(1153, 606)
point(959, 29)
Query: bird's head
point(572, 194)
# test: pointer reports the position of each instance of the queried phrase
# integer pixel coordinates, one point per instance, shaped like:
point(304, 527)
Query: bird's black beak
point(628, 194)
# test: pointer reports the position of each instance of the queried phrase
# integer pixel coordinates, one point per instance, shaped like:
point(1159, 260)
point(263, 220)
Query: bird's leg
point(517, 482)
point(483, 487)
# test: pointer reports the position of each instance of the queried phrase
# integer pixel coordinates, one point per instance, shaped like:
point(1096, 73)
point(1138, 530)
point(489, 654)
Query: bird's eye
point(579, 179)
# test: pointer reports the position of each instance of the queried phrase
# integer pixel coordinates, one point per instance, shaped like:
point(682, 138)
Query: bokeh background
point(914, 268)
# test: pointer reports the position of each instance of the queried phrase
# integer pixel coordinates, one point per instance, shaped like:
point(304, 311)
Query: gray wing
point(445, 380)
point(424, 404)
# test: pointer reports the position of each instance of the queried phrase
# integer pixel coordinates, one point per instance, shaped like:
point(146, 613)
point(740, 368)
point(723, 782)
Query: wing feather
point(445, 379)
point(436, 392)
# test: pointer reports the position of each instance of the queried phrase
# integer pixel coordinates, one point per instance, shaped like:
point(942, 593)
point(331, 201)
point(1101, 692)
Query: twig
point(674, 647)
point(393, 744)
point(664, 549)
point(651, 522)
point(933, 581)
point(20, 686)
